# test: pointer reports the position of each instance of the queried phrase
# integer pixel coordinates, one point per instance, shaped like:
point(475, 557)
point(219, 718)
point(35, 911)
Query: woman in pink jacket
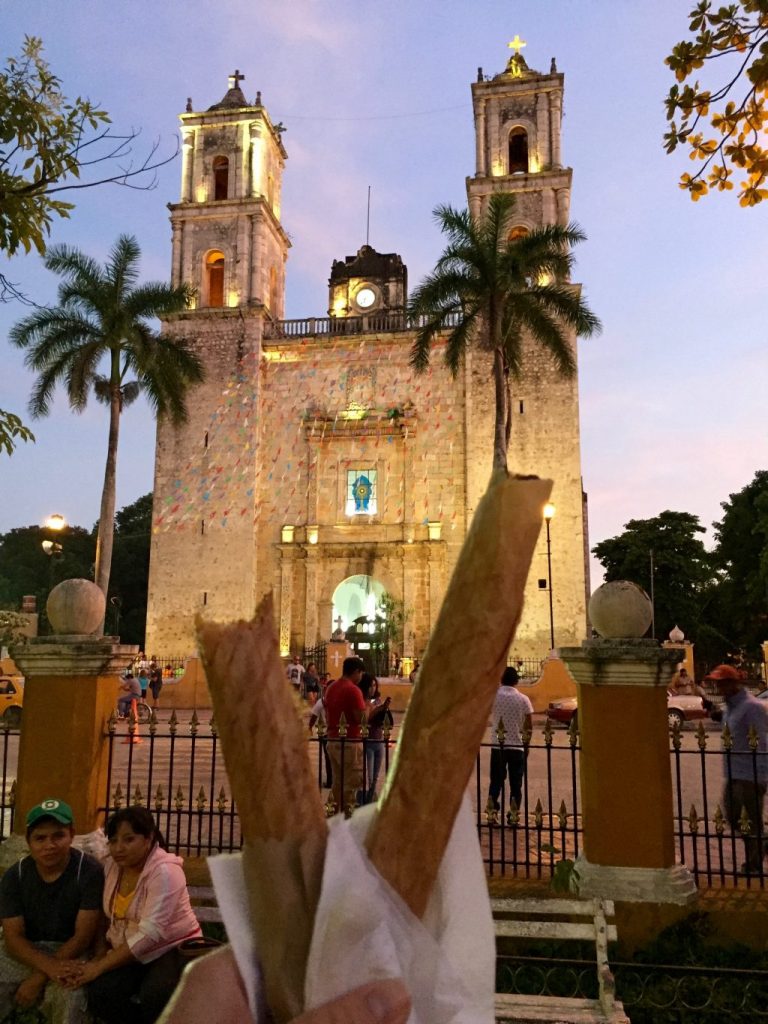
point(149, 915)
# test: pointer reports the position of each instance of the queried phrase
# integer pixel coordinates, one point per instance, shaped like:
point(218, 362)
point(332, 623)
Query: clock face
point(365, 298)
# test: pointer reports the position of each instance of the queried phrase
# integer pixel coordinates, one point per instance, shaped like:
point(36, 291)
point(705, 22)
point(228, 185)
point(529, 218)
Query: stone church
point(315, 463)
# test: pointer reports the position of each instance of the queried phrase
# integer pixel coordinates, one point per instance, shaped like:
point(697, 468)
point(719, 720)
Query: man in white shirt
point(513, 709)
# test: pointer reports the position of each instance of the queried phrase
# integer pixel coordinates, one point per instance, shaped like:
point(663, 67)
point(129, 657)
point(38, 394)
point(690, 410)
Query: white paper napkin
point(364, 932)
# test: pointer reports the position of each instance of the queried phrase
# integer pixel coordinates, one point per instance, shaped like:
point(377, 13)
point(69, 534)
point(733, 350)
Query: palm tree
point(103, 322)
point(492, 291)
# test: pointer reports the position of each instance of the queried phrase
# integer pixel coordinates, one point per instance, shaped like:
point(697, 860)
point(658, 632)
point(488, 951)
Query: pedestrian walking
point(745, 764)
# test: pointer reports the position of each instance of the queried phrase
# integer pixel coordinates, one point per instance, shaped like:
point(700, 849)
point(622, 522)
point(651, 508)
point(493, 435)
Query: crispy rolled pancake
point(281, 814)
point(452, 699)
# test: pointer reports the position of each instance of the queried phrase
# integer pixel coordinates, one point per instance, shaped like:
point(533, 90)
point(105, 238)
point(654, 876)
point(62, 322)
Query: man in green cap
point(50, 910)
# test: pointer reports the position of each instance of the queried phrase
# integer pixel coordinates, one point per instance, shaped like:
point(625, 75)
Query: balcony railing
point(334, 326)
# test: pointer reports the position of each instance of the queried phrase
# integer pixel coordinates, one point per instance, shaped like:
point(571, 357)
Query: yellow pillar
point(628, 850)
point(69, 693)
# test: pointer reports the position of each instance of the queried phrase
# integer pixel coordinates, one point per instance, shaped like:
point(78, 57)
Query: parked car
point(11, 701)
point(680, 708)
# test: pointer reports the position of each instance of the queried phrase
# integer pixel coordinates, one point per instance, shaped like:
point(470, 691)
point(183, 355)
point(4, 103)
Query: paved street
point(192, 766)
point(183, 780)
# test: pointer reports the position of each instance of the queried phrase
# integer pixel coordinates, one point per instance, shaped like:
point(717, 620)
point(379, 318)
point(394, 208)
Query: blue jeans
point(374, 758)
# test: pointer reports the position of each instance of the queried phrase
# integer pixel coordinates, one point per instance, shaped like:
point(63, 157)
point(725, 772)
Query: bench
point(557, 920)
point(203, 900)
point(526, 919)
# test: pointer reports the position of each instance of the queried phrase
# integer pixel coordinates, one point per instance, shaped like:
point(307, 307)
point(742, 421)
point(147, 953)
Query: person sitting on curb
point(50, 907)
point(146, 903)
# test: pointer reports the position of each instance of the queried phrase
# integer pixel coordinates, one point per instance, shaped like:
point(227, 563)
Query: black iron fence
point(651, 993)
point(9, 756)
point(527, 668)
point(719, 784)
point(176, 768)
point(172, 665)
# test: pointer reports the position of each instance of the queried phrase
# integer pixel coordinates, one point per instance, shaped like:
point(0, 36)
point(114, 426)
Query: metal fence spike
point(727, 737)
point(701, 736)
point(549, 733)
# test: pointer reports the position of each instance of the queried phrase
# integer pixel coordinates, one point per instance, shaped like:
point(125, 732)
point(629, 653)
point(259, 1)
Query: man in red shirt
point(345, 697)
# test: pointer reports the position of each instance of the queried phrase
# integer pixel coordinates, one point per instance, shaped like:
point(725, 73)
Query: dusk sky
point(673, 405)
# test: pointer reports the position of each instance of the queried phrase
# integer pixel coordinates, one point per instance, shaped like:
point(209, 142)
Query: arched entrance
point(356, 602)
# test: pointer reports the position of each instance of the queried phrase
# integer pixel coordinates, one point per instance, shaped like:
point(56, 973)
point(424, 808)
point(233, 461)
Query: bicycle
point(143, 712)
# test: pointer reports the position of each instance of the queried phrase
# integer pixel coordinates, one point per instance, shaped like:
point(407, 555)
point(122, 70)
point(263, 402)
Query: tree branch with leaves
point(724, 126)
point(49, 145)
point(12, 430)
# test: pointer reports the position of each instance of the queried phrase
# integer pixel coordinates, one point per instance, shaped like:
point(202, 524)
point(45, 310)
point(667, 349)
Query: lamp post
point(549, 511)
point(54, 525)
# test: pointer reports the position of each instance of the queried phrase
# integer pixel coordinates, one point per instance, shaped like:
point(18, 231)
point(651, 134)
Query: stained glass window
point(362, 499)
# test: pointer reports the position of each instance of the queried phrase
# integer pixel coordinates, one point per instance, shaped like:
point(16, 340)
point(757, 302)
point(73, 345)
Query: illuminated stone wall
point(202, 552)
point(278, 425)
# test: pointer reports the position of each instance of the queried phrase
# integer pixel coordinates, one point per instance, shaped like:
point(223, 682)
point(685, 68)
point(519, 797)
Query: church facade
point(315, 463)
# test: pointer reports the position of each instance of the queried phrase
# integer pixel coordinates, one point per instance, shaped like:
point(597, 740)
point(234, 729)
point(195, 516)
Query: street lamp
point(53, 524)
point(549, 511)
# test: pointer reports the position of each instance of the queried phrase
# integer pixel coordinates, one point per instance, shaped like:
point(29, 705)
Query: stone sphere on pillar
point(76, 608)
point(620, 610)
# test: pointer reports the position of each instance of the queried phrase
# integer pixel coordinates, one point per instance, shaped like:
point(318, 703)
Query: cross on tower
point(236, 78)
point(517, 44)
point(338, 622)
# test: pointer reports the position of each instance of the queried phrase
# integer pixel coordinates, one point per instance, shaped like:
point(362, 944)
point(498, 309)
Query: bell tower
point(228, 242)
point(230, 247)
point(518, 122)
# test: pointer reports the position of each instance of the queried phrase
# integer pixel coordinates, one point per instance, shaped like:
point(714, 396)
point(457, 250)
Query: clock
point(365, 298)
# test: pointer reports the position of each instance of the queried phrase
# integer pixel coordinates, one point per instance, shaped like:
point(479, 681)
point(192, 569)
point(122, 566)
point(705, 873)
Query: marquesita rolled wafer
point(452, 699)
point(281, 813)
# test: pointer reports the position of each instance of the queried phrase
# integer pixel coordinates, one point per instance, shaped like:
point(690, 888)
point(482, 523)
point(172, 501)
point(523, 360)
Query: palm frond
point(81, 373)
point(546, 330)
point(45, 385)
point(123, 265)
point(130, 392)
point(156, 299)
point(564, 302)
point(458, 340)
point(72, 264)
point(102, 389)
